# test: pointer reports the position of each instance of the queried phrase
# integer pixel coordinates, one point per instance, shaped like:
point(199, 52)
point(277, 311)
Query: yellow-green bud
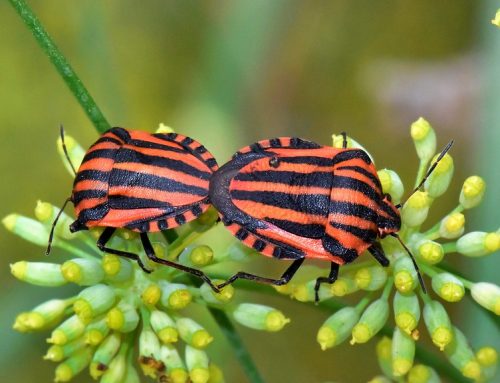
point(406, 311)
point(149, 353)
point(487, 295)
point(225, 295)
point(448, 287)
point(384, 355)
point(205, 221)
point(123, 318)
point(420, 373)
point(47, 213)
point(67, 331)
point(430, 252)
point(175, 296)
point(117, 269)
point(151, 295)
point(424, 139)
point(416, 209)
point(380, 379)
point(403, 352)
point(96, 332)
point(38, 273)
point(260, 317)
point(75, 153)
point(405, 275)
point(197, 364)
point(496, 20)
point(117, 367)
point(176, 369)
point(164, 129)
point(438, 324)
point(439, 180)
point(164, 326)
point(193, 334)
point(452, 226)
point(391, 184)
point(472, 192)
point(337, 327)
point(462, 357)
point(338, 142)
point(344, 285)
point(46, 314)
point(198, 256)
point(73, 365)
point(93, 301)
point(21, 323)
point(104, 354)
point(216, 375)
point(304, 292)
point(28, 229)
point(83, 272)
point(478, 243)
point(371, 322)
point(57, 353)
point(487, 356)
point(371, 278)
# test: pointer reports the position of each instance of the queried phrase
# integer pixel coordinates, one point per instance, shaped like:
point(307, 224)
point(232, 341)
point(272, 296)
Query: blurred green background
point(229, 73)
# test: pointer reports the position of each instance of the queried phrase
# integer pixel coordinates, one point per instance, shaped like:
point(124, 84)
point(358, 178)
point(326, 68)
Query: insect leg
point(344, 140)
point(148, 248)
point(332, 277)
point(378, 253)
point(285, 278)
point(106, 236)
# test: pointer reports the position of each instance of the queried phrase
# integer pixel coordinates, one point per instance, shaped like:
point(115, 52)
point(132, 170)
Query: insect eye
point(274, 162)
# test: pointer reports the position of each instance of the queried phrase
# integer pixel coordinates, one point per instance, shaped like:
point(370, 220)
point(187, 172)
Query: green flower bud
point(96, 332)
point(193, 334)
point(452, 226)
point(438, 324)
point(83, 272)
point(73, 365)
point(21, 322)
point(384, 355)
point(117, 269)
point(164, 129)
point(205, 221)
point(224, 296)
point(344, 285)
point(175, 296)
point(28, 229)
point(57, 353)
point(164, 327)
point(487, 295)
point(462, 357)
point(117, 368)
point(176, 370)
point(370, 278)
point(472, 192)
point(496, 20)
point(406, 312)
point(197, 364)
point(430, 252)
point(478, 243)
point(93, 301)
point(38, 273)
point(151, 295)
point(371, 322)
point(424, 138)
point(131, 374)
point(236, 252)
point(420, 373)
point(105, 354)
point(216, 375)
point(403, 352)
point(438, 181)
point(198, 256)
point(391, 184)
point(405, 275)
point(67, 331)
point(47, 213)
point(338, 142)
point(337, 327)
point(260, 317)
point(123, 318)
point(488, 359)
point(304, 292)
point(448, 287)
point(149, 353)
point(75, 152)
point(380, 379)
point(46, 314)
point(416, 209)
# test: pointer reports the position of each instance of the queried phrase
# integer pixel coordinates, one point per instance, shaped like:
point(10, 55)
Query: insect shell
point(294, 199)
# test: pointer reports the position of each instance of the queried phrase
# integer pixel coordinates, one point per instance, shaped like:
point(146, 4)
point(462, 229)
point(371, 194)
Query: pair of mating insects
point(285, 197)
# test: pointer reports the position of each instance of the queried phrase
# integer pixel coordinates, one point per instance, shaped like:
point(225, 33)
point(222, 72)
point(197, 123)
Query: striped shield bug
point(142, 182)
point(294, 199)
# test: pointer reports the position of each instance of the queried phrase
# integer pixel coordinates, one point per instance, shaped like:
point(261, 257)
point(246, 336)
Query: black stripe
point(303, 203)
point(162, 224)
point(363, 171)
point(308, 230)
point(128, 155)
point(365, 235)
point(299, 143)
point(121, 133)
point(316, 179)
point(94, 213)
point(89, 193)
point(94, 175)
point(128, 178)
point(211, 162)
point(350, 154)
point(108, 139)
point(154, 145)
point(126, 203)
point(256, 148)
point(196, 210)
point(286, 251)
point(389, 211)
point(259, 245)
point(308, 160)
point(187, 141)
point(100, 153)
point(275, 143)
point(334, 247)
point(166, 136)
point(348, 208)
point(180, 219)
point(200, 149)
point(241, 234)
point(341, 182)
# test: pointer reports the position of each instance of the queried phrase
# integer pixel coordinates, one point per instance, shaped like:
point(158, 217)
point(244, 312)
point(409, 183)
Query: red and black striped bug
point(294, 199)
point(142, 182)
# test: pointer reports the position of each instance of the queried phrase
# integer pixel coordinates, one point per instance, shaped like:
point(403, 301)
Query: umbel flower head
point(124, 320)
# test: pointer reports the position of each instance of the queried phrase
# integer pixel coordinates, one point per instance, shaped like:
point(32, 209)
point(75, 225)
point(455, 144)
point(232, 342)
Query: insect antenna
point(61, 131)
point(420, 279)
point(51, 235)
point(431, 169)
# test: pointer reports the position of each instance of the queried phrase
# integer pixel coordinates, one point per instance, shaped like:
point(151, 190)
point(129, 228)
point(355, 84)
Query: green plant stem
point(65, 70)
point(236, 342)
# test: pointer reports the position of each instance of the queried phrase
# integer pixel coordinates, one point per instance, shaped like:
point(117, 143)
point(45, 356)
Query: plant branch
point(59, 61)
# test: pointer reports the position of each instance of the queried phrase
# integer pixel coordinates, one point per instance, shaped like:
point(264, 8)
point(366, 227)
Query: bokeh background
point(230, 73)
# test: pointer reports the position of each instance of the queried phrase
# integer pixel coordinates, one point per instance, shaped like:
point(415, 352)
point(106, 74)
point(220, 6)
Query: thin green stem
point(65, 70)
point(236, 342)
point(450, 247)
point(74, 250)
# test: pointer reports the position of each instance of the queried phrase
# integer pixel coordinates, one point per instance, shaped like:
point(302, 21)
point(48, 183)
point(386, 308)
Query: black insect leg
point(148, 248)
point(106, 236)
point(332, 277)
point(285, 278)
point(378, 253)
point(344, 140)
